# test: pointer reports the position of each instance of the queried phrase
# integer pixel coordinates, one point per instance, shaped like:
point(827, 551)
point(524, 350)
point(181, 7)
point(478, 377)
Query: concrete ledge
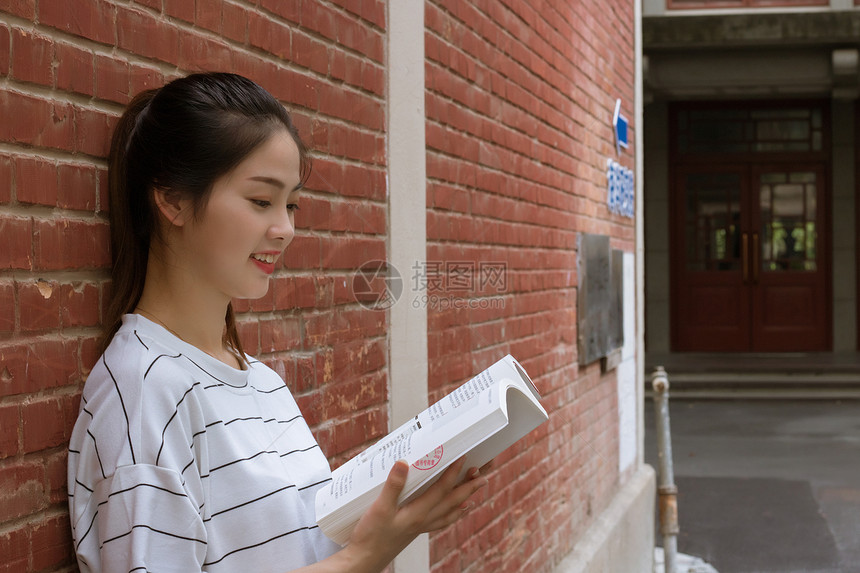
point(622, 538)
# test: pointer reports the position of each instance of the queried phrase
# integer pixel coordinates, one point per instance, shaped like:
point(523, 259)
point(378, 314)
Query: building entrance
point(749, 244)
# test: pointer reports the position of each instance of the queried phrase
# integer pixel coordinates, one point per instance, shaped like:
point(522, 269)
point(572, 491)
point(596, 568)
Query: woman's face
point(247, 222)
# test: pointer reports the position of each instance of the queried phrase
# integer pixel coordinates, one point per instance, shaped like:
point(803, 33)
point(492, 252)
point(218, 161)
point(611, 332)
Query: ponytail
point(131, 227)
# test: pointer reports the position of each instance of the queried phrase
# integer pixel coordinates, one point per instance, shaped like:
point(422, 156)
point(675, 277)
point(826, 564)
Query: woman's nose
point(283, 227)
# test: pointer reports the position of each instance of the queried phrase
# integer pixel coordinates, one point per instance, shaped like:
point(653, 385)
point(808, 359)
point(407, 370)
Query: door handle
point(755, 256)
point(745, 239)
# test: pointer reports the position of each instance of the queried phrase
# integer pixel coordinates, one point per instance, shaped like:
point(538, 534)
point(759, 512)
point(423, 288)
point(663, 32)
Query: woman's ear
point(172, 206)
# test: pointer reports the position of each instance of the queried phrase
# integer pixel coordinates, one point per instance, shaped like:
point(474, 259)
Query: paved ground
point(766, 486)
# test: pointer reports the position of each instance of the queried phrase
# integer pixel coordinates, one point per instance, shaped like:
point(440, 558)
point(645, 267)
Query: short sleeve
point(140, 519)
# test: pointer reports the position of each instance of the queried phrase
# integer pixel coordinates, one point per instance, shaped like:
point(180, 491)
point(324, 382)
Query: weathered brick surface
point(519, 104)
point(518, 98)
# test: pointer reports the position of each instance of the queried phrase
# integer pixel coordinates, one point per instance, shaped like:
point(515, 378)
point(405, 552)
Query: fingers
point(394, 484)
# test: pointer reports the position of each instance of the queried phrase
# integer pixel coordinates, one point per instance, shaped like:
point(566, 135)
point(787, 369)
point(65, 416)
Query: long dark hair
point(180, 138)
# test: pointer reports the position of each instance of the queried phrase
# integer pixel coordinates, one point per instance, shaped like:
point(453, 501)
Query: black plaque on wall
point(600, 274)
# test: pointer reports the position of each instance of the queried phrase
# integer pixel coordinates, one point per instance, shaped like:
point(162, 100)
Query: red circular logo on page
point(429, 461)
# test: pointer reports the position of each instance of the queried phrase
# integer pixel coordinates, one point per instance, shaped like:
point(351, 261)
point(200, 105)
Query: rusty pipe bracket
point(668, 495)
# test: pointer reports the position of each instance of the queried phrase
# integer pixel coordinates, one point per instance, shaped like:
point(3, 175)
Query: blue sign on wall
point(619, 123)
point(619, 189)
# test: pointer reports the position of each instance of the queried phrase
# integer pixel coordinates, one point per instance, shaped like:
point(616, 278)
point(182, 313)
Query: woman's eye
point(292, 206)
point(260, 202)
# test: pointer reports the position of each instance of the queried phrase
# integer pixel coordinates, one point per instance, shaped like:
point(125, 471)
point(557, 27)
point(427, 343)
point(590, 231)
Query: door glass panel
point(713, 221)
point(750, 130)
point(788, 209)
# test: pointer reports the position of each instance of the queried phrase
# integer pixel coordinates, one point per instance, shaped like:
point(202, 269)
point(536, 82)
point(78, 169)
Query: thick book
point(478, 420)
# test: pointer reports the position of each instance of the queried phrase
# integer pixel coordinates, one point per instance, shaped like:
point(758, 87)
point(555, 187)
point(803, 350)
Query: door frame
point(679, 163)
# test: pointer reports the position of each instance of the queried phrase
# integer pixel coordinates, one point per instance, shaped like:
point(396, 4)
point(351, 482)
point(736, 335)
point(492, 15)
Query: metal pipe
point(666, 489)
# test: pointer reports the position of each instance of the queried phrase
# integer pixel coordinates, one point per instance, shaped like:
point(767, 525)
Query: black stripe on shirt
point(140, 340)
point(314, 484)
point(144, 526)
point(124, 412)
point(157, 358)
point(175, 411)
point(226, 555)
point(250, 501)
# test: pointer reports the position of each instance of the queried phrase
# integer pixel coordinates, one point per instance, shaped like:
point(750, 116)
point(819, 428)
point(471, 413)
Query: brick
point(280, 335)
point(15, 549)
point(318, 17)
point(77, 186)
point(13, 369)
point(203, 53)
point(79, 304)
point(32, 57)
point(39, 305)
point(5, 50)
point(112, 79)
point(43, 425)
point(353, 394)
point(374, 12)
point(180, 9)
point(5, 179)
point(234, 22)
point(56, 465)
point(304, 252)
point(208, 15)
point(90, 350)
point(74, 69)
point(344, 326)
point(17, 236)
point(270, 35)
point(52, 363)
point(141, 33)
point(254, 68)
point(298, 89)
point(87, 18)
point(22, 490)
point(10, 426)
point(36, 180)
point(311, 53)
point(50, 543)
point(293, 292)
point(68, 244)
point(24, 8)
point(36, 121)
point(7, 307)
point(94, 129)
point(143, 78)
point(249, 335)
point(287, 10)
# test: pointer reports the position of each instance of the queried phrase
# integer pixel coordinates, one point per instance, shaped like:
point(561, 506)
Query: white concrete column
point(407, 188)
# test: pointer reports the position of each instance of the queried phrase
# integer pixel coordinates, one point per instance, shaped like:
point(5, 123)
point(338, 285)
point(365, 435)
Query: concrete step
point(817, 375)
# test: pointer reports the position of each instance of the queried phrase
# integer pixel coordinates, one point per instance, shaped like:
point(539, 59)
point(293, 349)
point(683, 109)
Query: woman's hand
point(386, 529)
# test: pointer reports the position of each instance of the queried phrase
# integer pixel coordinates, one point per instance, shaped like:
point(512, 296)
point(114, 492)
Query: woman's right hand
point(386, 528)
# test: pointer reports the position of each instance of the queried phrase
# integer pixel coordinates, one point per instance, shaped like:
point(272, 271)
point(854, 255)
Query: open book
point(479, 419)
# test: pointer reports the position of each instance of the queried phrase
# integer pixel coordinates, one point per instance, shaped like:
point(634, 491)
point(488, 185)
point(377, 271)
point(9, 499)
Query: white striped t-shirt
point(180, 463)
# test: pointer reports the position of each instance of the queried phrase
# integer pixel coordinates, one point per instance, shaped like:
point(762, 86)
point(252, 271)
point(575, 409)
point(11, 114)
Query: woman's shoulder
point(130, 358)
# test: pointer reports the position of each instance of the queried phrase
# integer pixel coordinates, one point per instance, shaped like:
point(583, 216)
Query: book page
point(417, 438)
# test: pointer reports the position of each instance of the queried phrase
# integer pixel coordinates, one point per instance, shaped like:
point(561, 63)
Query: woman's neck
point(186, 310)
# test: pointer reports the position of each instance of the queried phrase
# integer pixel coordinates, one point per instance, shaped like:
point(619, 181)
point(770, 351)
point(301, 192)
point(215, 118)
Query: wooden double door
point(749, 258)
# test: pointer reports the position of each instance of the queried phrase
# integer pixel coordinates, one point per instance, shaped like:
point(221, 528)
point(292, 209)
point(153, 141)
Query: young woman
point(189, 455)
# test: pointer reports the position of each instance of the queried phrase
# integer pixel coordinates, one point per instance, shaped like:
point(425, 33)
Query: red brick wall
point(520, 97)
point(67, 67)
